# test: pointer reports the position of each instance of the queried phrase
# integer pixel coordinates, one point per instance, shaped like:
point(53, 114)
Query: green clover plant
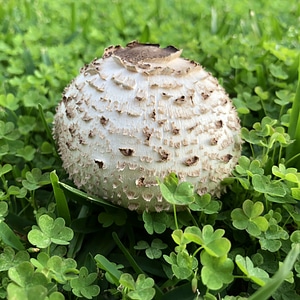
point(49, 231)
point(58, 242)
point(249, 218)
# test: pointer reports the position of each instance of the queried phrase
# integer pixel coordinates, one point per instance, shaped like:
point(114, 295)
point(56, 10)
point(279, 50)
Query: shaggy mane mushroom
point(141, 112)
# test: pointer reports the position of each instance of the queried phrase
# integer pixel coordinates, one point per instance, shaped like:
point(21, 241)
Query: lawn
point(57, 242)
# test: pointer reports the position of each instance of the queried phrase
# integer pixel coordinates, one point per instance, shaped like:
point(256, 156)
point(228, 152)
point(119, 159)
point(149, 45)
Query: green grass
point(57, 242)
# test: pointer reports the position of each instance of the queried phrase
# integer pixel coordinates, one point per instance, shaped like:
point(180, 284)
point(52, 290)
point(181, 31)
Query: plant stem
point(175, 216)
point(131, 260)
point(192, 217)
point(292, 158)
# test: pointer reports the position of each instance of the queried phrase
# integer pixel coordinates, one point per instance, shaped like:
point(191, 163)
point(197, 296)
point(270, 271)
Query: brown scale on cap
point(135, 52)
point(192, 161)
point(126, 151)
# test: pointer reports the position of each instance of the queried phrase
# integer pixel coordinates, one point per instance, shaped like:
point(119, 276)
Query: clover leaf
point(282, 172)
point(3, 210)
point(153, 251)
point(250, 136)
point(264, 185)
point(82, 285)
point(141, 289)
point(246, 169)
point(182, 264)
point(248, 218)
point(295, 236)
point(174, 193)
point(41, 261)
point(17, 192)
point(35, 179)
point(271, 239)
point(216, 271)
point(50, 231)
point(296, 193)
point(9, 101)
point(180, 240)
point(155, 222)
point(249, 168)
point(56, 267)
point(8, 131)
point(26, 124)
point(9, 259)
point(62, 269)
point(212, 241)
point(56, 296)
point(27, 152)
point(109, 218)
point(286, 291)
point(206, 204)
point(278, 72)
point(5, 169)
point(127, 281)
point(257, 275)
point(26, 284)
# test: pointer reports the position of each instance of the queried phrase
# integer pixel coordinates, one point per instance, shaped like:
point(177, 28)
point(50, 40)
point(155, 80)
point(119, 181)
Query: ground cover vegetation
point(56, 242)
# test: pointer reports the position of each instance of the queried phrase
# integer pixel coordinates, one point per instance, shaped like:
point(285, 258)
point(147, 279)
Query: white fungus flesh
point(140, 113)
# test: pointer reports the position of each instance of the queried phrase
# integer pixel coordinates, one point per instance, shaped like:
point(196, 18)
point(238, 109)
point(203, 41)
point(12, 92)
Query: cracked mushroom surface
point(141, 112)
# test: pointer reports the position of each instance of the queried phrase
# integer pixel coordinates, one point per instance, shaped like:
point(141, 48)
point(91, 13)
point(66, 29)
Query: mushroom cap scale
point(142, 112)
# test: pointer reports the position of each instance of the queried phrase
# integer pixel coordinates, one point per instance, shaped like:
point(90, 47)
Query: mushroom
point(139, 113)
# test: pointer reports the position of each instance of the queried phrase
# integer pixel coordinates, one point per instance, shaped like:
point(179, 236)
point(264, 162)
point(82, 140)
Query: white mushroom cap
point(139, 113)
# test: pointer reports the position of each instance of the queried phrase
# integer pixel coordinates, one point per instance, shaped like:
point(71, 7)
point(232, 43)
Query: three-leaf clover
point(153, 251)
point(82, 285)
point(206, 204)
point(35, 179)
point(108, 218)
point(9, 101)
point(141, 289)
point(56, 267)
point(26, 284)
point(50, 231)
point(271, 239)
point(9, 259)
point(183, 264)
point(264, 185)
point(176, 193)
point(246, 169)
point(212, 241)
point(249, 218)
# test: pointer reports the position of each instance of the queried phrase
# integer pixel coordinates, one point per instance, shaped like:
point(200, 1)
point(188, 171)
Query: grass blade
point(294, 127)
point(267, 290)
point(85, 195)
point(61, 201)
point(109, 267)
point(48, 131)
point(8, 237)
